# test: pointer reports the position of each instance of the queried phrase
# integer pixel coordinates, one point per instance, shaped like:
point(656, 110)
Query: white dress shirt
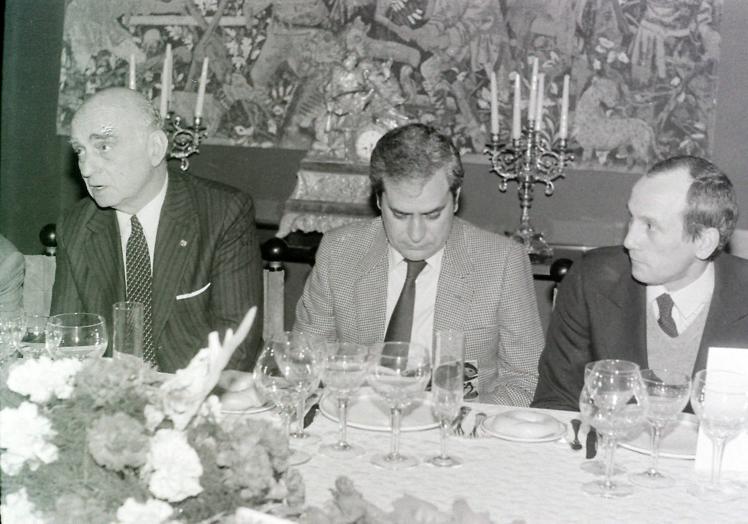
point(426, 287)
point(689, 301)
point(148, 216)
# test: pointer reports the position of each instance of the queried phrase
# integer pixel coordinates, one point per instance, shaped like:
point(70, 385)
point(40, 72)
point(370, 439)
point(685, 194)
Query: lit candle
point(166, 82)
point(201, 89)
point(539, 113)
point(533, 89)
point(564, 124)
point(131, 75)
point(494, 105)
point(517, 111)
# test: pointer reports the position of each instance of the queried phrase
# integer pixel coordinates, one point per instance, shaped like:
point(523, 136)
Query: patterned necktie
point(401, 321)
point(139, 283)
point(666, 322)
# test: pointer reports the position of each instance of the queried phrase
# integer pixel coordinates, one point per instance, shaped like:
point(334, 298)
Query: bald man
point(186, 245)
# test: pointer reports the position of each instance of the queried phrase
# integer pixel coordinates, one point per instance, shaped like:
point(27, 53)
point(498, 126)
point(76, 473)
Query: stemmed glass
point(667, 394)
point(720, 401)
point(12, 326)
point(447, 388)
point(76, 335)
point(613, 401)
point(274, 386)
point(399, 373)
point(344, 371)
point(34, 336)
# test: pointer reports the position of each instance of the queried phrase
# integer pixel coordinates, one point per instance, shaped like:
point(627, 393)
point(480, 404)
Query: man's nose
point(416, 228)
point(631, 238)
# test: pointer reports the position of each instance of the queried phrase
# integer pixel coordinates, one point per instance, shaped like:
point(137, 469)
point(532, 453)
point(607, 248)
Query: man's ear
point(457, 199)
point(157, 145)
point(706, 242)
point(379, 203)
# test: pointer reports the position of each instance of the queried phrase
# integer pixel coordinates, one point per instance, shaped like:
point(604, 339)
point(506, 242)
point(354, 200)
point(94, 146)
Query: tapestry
point(328, 75)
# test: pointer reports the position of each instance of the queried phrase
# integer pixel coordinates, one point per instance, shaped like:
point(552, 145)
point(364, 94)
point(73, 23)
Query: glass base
point(597, 467)
point(651, 479)
point(394, 461)
point(609, 491)
point(341, 450)
point(298, 457)
point(444, 462)
point(535, 244)
point(723, 491)
point(304, 438)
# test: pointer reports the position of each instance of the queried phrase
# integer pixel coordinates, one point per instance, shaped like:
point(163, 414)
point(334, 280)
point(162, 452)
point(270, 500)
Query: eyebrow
point(440, 208)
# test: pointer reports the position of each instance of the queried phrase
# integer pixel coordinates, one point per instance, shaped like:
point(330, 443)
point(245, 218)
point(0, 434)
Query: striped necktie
point(139, 284)
point(666, 322)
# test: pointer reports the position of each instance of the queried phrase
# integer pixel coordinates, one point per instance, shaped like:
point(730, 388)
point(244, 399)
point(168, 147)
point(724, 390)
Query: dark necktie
point(139, 283)
point(666, 322)
point(401, 321)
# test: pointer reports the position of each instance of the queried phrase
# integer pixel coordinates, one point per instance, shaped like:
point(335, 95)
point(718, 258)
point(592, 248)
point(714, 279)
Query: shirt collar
point(149, 213)
point(394, 258)
point(689, 299)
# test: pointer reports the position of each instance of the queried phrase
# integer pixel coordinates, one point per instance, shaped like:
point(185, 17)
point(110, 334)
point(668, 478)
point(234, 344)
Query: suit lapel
point(371, 290)
point(103, 255)
point(175, 242)
point(454, 288)
point(624, 311)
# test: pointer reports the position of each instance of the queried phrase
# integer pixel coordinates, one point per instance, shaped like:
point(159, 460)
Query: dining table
point(511, 481)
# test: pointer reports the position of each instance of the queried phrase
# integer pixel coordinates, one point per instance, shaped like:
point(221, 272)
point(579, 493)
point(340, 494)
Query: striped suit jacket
point(485, 289)
point(206, 237)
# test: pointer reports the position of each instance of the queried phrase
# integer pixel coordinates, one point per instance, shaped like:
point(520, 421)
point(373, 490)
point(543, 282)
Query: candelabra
point(184, 140)
point(529, 160)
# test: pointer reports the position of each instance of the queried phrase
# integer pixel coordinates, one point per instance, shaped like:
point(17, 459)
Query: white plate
point(249, 411)
point(367, 410)
point(679, 442)
point(489, 427)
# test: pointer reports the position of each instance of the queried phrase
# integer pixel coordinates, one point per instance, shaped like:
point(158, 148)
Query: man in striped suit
point(472, 280)
point(184, 246)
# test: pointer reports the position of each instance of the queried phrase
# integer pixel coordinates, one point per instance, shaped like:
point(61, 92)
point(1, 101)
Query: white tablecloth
point(514, 482)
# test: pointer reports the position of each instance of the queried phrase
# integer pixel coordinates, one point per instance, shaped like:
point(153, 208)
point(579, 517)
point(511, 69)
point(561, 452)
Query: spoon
point(575, 444)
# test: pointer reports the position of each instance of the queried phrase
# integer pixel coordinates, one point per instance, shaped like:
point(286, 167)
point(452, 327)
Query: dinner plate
point(248, 411)
point(369, 411)
point(679, 442)
point(490, 426)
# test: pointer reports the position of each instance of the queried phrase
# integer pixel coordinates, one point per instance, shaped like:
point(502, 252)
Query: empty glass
point(34, 337)
point(127, 330)
point(12, 326)
point(399, 373)
point(667, 394)
point(720, 401)
point(76, 335)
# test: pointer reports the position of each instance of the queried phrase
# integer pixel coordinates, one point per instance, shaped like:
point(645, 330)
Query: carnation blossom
point(25, 438)
point(152, 511)
point(117, 441)
point(43, 378)
point(18, 508)
point(174, 466)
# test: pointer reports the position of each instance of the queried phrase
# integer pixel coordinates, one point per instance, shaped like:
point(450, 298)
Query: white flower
point(18, 508)
point(152, 511)
point(175, 467)
point(43, 378)
point(25, 438)
point(153, 417)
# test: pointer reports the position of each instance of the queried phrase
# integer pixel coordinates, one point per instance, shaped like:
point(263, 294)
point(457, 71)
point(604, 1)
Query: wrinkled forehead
point(101, 120)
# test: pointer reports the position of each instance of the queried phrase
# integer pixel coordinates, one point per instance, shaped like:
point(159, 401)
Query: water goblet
point(12, 326)
point(34, 336)
point(76, 335)
point(272, 384)
point(667, 394)
point(613, 401)
point(399, 373)
point(344, 370)
point(720, 401)
point(447, 388)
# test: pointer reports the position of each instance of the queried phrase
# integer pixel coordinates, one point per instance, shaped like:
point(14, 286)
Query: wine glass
point(399, 373)
point(447, 388)
point(76, 335)
point(272, 384)
point(12, 326)
point(34, 336)
point(613, 401)
point(344, 370)
point(720, 401)
point(667, 394)
point(300, 357)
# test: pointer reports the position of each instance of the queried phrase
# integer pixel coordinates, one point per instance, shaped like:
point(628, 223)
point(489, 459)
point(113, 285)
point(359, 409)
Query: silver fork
point(457, 422)
point(479, 418)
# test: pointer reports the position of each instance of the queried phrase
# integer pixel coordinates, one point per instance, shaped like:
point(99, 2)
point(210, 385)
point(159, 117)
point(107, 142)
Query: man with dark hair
point(183, 246)
point(460, 277)
point(664, 297)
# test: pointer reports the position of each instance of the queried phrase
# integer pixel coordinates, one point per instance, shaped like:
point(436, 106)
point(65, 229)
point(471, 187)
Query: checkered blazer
point(485, 289)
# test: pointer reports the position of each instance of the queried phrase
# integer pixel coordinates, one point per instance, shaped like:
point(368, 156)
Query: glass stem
point(286, 419)
point(444, 427)
point(655, 436)
point(609, 448)
point(718, 449)
point(343, 421)
point(395, 442)
point(300, 416)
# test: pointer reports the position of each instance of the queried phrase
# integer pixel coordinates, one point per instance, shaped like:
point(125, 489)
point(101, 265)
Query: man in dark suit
point(664, 297)
point(184, 246)
point(469, 279)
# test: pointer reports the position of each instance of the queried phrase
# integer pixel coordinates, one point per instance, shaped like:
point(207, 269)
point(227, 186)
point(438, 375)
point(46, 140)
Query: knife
point(591, 443)
point(310, 414)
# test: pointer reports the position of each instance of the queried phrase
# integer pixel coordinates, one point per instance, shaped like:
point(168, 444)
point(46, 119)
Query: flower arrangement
point(113, 441)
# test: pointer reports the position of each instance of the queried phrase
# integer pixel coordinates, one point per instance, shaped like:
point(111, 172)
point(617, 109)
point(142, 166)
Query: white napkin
point(736, 450)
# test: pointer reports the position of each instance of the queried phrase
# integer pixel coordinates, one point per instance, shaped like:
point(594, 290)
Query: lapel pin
point(183, 243)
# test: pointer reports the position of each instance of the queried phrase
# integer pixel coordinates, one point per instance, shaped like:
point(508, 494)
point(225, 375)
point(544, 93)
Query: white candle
point(533, 89)
point(201, 89)
point(494, 104)
point(564, 124)
point(166, 82)
point(517, 111)
point(131, 75)
point(539, 109)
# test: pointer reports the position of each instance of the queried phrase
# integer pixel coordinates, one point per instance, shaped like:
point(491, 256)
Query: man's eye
point(103, 147)
point(398, 215)
point(433, 215)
